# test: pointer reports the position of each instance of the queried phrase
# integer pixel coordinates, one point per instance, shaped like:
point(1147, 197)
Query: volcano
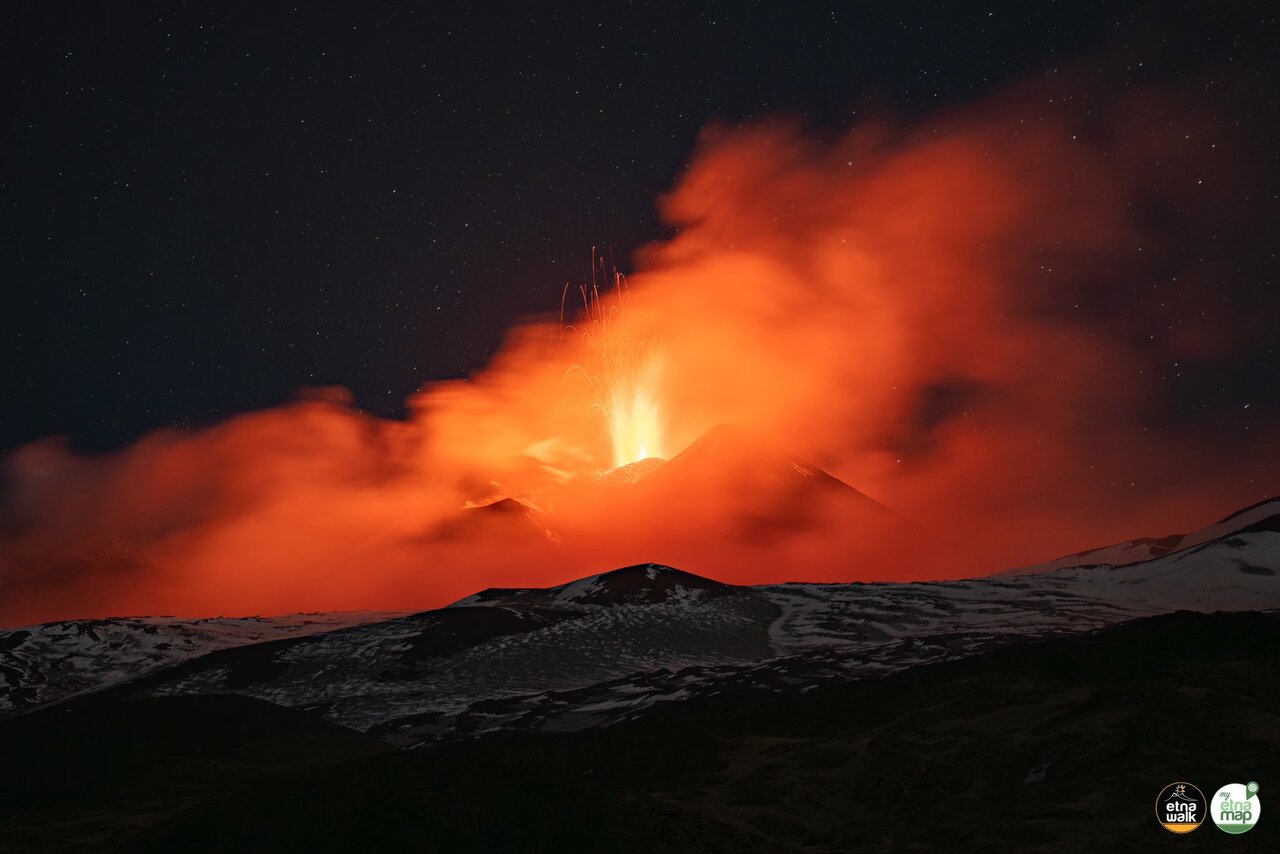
point(765, 492)
point(728, 490)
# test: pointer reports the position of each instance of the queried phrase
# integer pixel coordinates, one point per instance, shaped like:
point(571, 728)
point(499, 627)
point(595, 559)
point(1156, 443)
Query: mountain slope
point(727, 489)
point(616, 646)
point(761, 491)
point(43, 663)
point(1053, 746)
point(1265, 513)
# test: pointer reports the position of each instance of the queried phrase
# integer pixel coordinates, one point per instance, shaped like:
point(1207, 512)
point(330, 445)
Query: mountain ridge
point(614, 645)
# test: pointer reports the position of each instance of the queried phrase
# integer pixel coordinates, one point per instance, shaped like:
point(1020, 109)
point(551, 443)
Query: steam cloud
point(991, 321)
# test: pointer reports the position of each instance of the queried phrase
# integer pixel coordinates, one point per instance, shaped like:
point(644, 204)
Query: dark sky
point(205, 208)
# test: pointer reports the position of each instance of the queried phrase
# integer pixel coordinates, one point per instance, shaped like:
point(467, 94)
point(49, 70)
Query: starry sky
point(204, 208)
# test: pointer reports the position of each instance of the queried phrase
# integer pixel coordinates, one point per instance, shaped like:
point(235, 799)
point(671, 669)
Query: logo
point(1180, 807)
point(1235, 808)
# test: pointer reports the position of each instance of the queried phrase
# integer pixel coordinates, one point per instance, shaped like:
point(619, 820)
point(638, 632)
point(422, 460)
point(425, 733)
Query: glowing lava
point(634, 416)
point(623, 367)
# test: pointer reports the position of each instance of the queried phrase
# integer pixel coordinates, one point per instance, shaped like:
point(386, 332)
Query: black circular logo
point(1180, 807)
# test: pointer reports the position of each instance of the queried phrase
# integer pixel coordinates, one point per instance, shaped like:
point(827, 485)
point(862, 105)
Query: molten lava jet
point(621, 371)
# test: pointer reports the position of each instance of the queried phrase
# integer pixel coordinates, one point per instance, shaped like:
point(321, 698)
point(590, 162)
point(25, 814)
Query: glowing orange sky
point(894, 304)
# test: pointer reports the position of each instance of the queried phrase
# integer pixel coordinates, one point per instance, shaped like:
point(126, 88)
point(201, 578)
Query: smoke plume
point(1017, 323)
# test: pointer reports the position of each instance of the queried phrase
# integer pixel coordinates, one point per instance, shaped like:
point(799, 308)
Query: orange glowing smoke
point(956, 318)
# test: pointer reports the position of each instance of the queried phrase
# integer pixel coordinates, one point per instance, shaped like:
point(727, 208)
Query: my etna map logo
point(1235, 808)
point(1180, 807)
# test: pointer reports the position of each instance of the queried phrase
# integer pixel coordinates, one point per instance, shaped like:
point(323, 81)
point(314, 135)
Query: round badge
point(1180, 807)
point(1235, 807)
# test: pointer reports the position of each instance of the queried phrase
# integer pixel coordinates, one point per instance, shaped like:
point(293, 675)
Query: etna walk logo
point(1180, 807)
point(1235, 807)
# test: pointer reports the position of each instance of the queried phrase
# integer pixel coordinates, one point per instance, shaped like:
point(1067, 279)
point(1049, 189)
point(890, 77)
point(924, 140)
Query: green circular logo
point(1235, 807)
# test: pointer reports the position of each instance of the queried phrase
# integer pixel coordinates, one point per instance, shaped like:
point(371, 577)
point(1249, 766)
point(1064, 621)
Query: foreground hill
point(1058, 745)
point(649, 708)
point(616, 646)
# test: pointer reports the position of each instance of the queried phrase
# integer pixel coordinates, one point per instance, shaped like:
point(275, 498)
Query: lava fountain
point(622, 368)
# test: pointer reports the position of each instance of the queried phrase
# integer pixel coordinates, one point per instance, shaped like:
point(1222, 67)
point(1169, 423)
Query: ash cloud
point(1025, 324)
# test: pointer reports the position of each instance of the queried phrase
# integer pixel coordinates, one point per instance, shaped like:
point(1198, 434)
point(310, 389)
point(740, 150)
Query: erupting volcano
point(894, 316)
point(895, 472)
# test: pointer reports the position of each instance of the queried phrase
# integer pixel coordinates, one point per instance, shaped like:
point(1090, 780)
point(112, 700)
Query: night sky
point(205, 209)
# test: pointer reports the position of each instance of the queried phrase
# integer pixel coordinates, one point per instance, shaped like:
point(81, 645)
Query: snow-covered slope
point(605, 648)
point(1240, 572)
point(516, 642)
point(43, 663)
point(1148, 548)
point(830, 633)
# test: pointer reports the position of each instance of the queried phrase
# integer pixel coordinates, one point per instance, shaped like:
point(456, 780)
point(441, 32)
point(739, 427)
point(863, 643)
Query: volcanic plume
point(978, 319)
